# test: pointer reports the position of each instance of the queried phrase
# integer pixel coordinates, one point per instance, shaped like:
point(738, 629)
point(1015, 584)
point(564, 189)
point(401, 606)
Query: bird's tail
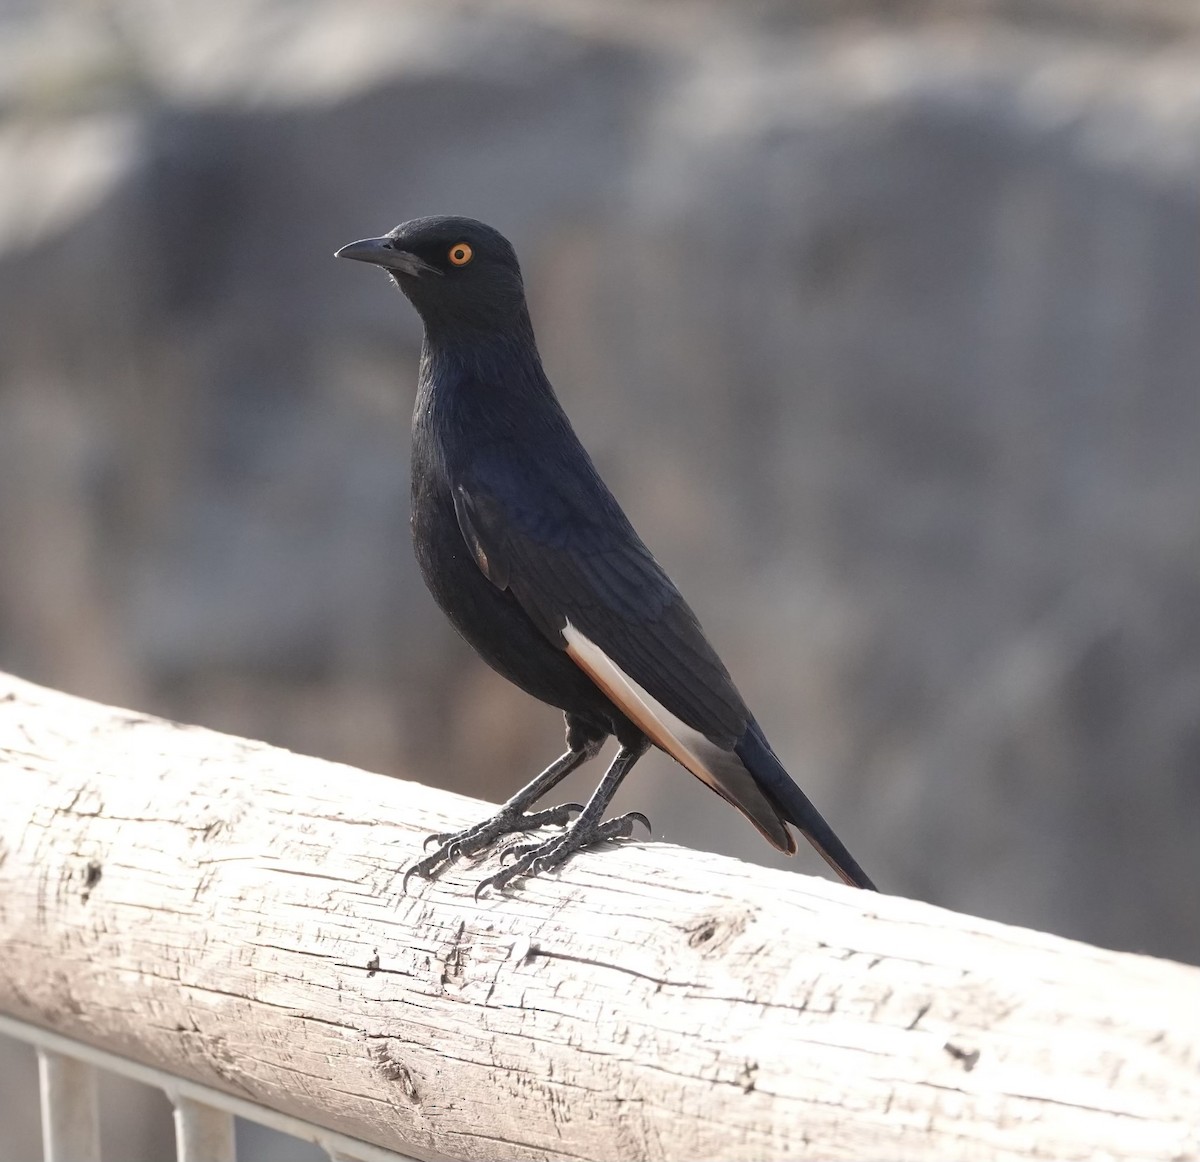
point(796, 807)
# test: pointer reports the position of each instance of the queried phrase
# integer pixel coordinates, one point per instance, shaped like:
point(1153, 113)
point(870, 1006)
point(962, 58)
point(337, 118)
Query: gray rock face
point(885, 332)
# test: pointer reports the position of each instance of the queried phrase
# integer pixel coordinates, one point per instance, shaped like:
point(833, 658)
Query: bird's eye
point(460, 254)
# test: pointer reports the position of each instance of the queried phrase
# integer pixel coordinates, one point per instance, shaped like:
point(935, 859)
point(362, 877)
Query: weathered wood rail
point(232, 914)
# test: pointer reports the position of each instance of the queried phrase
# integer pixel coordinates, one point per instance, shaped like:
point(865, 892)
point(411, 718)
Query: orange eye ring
point(460, 254)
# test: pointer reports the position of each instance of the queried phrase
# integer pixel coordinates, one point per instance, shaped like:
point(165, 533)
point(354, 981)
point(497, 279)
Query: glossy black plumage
point(532, 559)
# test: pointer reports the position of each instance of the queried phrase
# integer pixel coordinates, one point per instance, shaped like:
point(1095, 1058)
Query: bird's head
point(457, 272)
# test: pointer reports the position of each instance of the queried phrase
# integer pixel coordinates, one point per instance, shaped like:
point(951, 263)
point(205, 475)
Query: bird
point(533, 561)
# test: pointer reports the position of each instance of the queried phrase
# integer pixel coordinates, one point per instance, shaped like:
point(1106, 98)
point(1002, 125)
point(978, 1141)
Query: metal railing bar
point(203, 1133)
point(70, 1114)
point(178, 1087)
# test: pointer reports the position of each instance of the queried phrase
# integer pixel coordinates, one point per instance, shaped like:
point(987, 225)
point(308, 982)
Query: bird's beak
point(381, 252)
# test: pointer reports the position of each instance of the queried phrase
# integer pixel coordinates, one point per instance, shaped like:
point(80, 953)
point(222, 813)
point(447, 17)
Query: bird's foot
point(531, 859)
point(452, 845)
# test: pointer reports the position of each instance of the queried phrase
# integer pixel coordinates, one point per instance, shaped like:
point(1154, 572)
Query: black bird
point(531, 558)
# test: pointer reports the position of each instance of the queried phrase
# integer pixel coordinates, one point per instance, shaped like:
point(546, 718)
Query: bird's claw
point(516, 850)
point(415, 870)
point(438, 838)
point(637, 815)
point(450, 846)
point(432, 865)
point(525, 860)
point(481, 887)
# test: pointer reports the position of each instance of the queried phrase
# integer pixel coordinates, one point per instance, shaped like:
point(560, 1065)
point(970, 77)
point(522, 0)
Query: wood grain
point(232, 912)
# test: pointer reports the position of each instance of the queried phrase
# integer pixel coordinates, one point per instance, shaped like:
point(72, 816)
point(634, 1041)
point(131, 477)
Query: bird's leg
point(512, 817)
point(533, 858)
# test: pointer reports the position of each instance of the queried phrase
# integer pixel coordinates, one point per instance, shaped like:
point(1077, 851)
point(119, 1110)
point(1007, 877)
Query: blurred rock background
point(883, 321)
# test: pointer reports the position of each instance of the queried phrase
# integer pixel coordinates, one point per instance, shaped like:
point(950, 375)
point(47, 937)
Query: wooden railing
point(225, 920)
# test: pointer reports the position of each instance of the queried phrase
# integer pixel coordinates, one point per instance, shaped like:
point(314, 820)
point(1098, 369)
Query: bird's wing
point(583, 576)
point(572, 572)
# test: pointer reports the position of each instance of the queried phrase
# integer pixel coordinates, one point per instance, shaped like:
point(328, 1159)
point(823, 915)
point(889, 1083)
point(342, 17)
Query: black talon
point(621, 827)
point(483, 885)
point(563, 814)
point(515, 851)
point(415, 870)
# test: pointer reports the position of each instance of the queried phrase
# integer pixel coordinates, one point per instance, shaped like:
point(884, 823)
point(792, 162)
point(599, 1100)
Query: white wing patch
point(686, 746)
